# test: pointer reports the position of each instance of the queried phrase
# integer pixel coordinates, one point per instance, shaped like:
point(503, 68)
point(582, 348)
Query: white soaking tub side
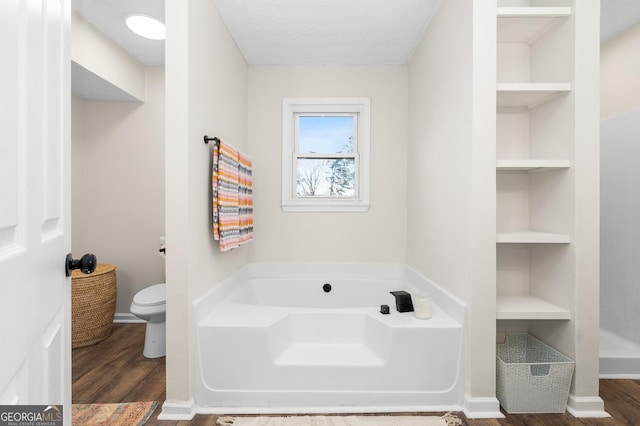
point(271, 339)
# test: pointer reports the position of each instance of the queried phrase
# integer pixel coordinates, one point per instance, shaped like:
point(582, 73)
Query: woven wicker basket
point(93, 305)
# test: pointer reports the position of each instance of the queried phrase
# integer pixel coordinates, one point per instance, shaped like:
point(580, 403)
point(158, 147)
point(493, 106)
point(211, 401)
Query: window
point(325, 154)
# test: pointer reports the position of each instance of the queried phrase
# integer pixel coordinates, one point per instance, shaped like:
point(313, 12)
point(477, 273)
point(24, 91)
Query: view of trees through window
point(325, 156)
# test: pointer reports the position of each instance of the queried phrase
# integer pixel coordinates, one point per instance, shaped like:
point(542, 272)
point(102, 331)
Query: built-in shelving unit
point(527, 24)
point(546, 201)
point(534, 158)
point(527, 307)
point(531, 237)
point(531, 166)
point(529, 95)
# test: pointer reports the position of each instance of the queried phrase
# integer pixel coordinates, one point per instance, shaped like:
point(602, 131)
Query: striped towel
point(232, 197)
point(214, 195)
point(245, 198)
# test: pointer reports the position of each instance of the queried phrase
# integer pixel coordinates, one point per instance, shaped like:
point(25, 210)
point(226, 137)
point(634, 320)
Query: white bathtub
point(269, 339)
point(619, 357)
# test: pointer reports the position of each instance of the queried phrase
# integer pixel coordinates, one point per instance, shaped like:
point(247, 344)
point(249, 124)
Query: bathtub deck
point(245, 315)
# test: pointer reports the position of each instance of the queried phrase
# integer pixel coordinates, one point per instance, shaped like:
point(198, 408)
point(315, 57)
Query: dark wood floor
point(115, 371)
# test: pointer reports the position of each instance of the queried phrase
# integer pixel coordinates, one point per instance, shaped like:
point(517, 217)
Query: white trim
point(586, 406)
point(178, 410)
point(127, 318)
point(362, 155)
point(321, 205)
point(332, 409)
point(482, 408)
point(621, 376)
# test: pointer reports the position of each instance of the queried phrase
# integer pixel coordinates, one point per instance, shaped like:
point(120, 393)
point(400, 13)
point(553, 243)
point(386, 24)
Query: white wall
point(619, 65)
point(374, 236)
point(96, 59)
point(620, 233)
point(451, 175)
point(118, 186)
point(439, 149)
point(620, 153)
point(206, 94)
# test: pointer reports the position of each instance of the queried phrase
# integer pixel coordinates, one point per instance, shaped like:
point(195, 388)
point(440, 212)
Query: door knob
point(86, 264)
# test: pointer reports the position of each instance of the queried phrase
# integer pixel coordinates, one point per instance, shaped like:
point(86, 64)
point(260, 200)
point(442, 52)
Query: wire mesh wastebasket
point(532, 377)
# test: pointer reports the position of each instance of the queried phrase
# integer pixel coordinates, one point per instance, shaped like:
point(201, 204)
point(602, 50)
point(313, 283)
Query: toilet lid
point(151, 296)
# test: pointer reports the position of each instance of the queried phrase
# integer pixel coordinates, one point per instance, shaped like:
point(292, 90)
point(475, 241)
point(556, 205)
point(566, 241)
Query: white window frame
point(360, 108)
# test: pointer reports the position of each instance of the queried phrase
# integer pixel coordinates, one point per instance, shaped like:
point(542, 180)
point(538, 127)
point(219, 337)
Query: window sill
point(352, 206)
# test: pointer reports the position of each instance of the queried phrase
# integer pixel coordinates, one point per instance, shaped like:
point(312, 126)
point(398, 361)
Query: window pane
point(325, 134)
point(326, 178)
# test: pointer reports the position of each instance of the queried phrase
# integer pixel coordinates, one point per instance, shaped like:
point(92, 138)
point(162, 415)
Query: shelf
point(527, 78)
point(531, 237)
point(529, 95)
point(531, 166)
point(526, 307)
point(527, 24)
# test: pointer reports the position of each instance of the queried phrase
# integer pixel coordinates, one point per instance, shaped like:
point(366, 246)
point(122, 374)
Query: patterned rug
point(447, 420)
point(124, 414)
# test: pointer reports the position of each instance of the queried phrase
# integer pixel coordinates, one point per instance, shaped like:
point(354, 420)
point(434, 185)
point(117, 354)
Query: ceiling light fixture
point(146, 26)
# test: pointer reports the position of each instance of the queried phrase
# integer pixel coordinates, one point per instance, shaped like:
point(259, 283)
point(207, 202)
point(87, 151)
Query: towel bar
point(207, 139)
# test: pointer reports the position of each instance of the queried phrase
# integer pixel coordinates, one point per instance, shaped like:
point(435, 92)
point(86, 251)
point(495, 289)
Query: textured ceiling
point(326, 31)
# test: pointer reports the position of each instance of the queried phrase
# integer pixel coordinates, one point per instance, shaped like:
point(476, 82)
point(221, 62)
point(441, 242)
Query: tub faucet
point(403, 301)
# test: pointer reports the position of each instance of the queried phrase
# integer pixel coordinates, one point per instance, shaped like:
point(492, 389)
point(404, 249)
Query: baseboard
point(325, 409)
point(586, 406)
point(620, 376)
point(625, 365)
point(482, 408)
point(178, 410)
point(128, 318)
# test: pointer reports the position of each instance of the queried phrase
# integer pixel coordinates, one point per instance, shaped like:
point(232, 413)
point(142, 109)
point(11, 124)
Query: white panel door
point(35, 354)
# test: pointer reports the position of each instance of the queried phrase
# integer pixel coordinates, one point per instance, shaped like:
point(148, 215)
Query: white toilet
point(149, 304)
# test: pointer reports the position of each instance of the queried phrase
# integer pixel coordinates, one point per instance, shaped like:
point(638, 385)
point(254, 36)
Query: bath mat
point(124, 414)
point(447, 420)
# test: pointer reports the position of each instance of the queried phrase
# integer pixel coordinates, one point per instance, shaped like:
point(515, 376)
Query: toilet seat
point(154, 295)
